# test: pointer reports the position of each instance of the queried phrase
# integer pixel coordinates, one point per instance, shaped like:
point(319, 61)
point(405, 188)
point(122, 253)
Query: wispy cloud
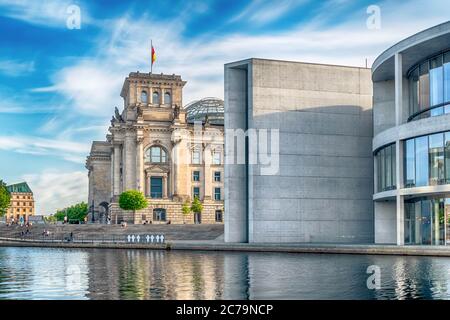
point(67, 150)
point(49, 13)
point(55, 190)
point(16, 68)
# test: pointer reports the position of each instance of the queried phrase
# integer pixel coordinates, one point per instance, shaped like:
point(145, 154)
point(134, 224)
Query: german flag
point(153, 55)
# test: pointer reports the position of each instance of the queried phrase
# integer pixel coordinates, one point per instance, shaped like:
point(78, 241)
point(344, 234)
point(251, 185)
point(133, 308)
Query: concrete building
point(22, 203)
point(411, 143)
point(169, 153)
point(319, 187)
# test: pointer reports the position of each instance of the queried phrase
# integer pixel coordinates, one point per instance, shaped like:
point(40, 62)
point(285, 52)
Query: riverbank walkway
point(189, 237)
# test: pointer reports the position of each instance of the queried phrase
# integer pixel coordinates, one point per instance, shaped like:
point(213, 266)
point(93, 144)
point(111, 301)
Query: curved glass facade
point(429, 87)
point(427, 221)
point(385, 162)
point(206, 107)
point(427, 160)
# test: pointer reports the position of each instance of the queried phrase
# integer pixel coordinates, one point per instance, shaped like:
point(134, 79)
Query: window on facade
point(196, 175)
point(159, 214)
point(144, 97)
point(436, 156)
point(427, 160)
point(217, 159)
point(217, 176)
point(156, 154)
point(217, 194)
point(429, 87)
point(155, 98)
point(156, 187)
point(196, 192)
point(196, 156)
point(436, 85)
point(386, 174)
point(167, 98)
point(219, 216)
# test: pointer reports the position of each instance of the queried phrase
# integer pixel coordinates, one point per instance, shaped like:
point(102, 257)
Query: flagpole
point(151, 56)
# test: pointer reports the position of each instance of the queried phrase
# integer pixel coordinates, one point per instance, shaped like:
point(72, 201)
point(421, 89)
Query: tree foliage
point(5, 198)
point(186, 208)
point(132, 200)
point(196, 206)
point(76, 212)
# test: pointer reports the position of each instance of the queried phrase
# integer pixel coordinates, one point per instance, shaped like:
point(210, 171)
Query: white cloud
point(262, 12)
point(49, 13)
point(55, 190)
point(16, 68)
point(67, 150)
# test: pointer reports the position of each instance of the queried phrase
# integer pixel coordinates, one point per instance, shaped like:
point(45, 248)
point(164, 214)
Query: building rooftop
point(21, 187)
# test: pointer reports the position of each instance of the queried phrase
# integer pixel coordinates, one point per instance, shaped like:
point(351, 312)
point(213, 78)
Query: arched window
point(156, 154)
point(156, 98)
point(159, 214)
point(167, 98)
point(144, 97)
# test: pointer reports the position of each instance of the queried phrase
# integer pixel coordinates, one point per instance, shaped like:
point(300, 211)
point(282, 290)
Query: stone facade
point(22, 202)
point(154, 147)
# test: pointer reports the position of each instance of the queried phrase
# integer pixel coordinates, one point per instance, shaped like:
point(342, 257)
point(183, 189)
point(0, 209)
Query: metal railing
point(150, 239)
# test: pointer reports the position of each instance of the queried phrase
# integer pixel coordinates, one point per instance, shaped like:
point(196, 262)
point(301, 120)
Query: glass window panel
point(156, 187)
point(410, 164)
point(421, 161)
point(144, 97)
point(216, 157)
point(414, 91)
point(196, 157)
point(436, 156)
point(167, 98)
point(196, 192)
point(447, 157)
point(382, 171)
point(394, 176)
point(217, 195)
point(155, 97)
point(447, 78)
point(436, 82)
point(424, 86)
point(388, 159)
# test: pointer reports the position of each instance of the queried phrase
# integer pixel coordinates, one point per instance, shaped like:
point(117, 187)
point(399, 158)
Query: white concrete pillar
point(129, 161)
point(399, 156)
point(207, 175)
point(398, 88)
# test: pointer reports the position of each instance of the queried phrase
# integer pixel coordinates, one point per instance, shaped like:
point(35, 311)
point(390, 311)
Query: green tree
point(76, 212)
point(132, 200)
point(186, 208)
point(5, 198)
point(196, 206)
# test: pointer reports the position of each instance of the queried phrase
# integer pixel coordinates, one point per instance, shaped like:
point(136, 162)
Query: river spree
point(43, 273)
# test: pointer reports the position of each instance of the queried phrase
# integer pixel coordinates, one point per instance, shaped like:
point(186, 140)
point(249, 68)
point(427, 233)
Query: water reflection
point(31, 273)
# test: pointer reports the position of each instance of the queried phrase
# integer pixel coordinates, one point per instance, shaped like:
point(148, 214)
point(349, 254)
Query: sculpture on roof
point(118, 116)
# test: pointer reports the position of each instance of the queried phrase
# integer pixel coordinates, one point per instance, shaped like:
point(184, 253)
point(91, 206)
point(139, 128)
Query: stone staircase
point(99, 231)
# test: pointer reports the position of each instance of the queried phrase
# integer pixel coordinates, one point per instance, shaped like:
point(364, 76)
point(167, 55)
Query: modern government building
point(364, 155)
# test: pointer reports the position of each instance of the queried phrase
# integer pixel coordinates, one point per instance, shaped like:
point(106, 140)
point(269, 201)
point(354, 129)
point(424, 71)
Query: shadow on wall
point(322, 190)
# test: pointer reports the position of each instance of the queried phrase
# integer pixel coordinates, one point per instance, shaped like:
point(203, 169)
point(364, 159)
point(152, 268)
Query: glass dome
point(199, 109)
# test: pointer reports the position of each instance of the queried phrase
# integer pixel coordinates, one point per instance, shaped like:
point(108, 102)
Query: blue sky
point(59, 87)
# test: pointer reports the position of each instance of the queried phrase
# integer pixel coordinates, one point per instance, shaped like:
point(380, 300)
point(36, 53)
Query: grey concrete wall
point(235, 180)
point(323, 190)
point(385, 222)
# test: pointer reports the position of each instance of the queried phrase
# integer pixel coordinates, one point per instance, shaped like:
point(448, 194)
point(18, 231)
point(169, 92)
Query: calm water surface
point(41, 273)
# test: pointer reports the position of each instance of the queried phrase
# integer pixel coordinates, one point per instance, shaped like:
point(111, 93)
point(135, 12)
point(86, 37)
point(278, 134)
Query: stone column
point(140, 164)
point(129, 167)
point(207, 185)
point(116, 170)
point(165, 186)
